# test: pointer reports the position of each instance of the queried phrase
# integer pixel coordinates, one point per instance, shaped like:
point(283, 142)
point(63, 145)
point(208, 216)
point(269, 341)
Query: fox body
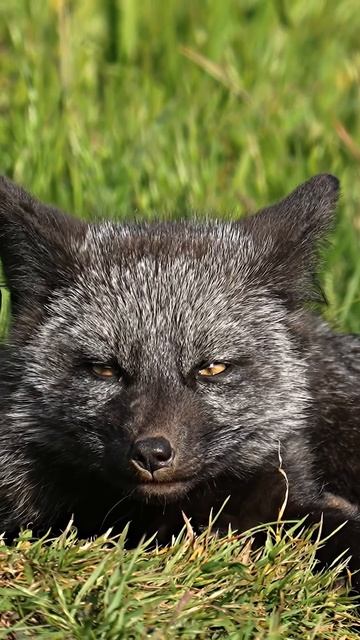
point(155, 368)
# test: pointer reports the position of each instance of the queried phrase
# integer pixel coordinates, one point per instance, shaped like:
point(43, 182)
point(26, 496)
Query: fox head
point(155, 356)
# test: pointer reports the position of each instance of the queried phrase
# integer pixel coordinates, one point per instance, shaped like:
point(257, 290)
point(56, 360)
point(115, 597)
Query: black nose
point(152, 453)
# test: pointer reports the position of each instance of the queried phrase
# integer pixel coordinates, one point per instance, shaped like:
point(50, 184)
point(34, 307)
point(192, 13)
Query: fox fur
point(157, 303)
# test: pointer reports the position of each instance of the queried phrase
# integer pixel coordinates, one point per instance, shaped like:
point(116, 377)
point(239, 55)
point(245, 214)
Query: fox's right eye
point(104, 371)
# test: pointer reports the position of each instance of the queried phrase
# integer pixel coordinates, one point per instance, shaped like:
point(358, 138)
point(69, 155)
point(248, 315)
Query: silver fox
point(154, 368)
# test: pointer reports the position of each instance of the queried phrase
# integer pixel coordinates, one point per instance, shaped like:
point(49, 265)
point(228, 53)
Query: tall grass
point(112, 107)
point(118, 107)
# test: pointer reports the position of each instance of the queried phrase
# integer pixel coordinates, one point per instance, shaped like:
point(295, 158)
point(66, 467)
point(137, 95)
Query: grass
point(198, 588)
point(117, 107)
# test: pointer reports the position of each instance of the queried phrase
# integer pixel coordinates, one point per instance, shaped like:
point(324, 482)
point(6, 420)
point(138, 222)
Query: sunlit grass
point(201, 587)
point(118, 107)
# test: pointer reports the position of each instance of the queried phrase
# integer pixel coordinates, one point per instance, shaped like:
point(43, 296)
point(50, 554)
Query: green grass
point(118, 107)
point(197, 588)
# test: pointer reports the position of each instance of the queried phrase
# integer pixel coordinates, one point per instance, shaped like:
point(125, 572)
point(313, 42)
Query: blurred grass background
point(113, 107)
point(148, 107)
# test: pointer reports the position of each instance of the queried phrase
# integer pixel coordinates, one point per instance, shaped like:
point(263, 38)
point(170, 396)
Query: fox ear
point(35, 245)
point(287, 235)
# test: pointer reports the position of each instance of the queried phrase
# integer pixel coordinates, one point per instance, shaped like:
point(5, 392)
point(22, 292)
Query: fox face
point(154, 357)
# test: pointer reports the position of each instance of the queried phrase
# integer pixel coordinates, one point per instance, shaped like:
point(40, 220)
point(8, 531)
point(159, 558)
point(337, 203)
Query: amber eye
point(212, 369)
point(104, 371)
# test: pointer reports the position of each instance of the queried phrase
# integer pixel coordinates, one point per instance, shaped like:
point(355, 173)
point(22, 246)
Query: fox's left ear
point(287, 235)
point(36, 242)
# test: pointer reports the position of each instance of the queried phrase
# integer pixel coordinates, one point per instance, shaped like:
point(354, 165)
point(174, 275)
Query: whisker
point(128, 495)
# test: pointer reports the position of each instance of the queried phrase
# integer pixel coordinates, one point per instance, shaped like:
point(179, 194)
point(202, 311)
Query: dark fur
point(159, 301)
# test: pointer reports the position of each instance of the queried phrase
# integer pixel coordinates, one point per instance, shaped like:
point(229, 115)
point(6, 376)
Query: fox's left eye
point(212, 369)
point(104, 371)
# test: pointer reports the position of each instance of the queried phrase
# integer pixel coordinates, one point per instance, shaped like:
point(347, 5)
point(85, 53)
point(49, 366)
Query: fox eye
point(212, 369)
point(104, 371)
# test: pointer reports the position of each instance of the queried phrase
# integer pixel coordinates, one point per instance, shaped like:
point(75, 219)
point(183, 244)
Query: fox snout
point(152, 457)
point(157, 471)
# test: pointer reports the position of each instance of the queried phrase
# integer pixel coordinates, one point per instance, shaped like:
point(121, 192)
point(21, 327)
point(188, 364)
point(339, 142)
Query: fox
point(155, 368)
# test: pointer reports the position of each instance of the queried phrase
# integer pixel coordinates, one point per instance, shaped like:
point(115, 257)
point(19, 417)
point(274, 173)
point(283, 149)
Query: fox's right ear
point(36, 242)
